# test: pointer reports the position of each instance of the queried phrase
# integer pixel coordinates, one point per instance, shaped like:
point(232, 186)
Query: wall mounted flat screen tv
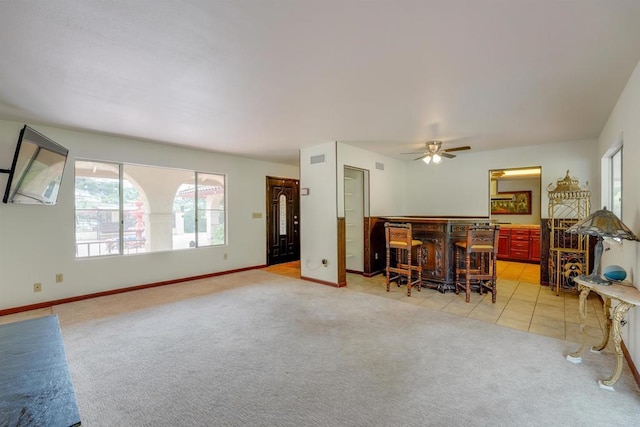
point(36, 171)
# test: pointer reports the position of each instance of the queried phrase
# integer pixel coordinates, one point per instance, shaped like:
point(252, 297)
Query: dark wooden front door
point(283, 220)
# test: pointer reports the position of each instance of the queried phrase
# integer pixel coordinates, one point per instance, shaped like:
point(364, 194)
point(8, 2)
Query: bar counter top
point(435, 218)
point(431, 219)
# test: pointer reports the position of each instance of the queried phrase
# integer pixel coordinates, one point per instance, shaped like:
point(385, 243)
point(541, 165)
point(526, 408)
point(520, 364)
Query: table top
point(35, 383)
point(622, 291)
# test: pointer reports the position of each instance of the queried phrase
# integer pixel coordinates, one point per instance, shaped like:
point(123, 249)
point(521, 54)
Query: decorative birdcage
point(568, 253)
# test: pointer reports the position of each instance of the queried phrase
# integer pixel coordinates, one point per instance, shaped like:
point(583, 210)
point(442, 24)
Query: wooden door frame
point(296, 183)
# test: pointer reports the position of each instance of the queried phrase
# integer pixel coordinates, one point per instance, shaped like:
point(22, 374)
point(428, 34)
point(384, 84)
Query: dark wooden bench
point(35, 384)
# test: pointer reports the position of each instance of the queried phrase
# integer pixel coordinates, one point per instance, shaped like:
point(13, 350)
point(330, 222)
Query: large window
point(615, 189)
point(128, 209)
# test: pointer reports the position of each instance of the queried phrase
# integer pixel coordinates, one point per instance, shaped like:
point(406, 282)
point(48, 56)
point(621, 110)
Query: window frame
point(615, 168)
point(121, 206)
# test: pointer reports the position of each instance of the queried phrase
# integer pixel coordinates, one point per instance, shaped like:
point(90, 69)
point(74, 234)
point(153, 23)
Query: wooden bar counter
point(438, 236)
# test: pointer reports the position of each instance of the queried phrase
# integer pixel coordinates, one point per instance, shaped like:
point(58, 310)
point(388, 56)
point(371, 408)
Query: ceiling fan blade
point(463, 148)
point(435, 147)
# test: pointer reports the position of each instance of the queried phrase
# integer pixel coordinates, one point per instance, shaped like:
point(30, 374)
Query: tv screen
point(36, 171)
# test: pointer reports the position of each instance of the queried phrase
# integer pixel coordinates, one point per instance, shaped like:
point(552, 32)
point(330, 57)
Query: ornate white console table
point(627, 296)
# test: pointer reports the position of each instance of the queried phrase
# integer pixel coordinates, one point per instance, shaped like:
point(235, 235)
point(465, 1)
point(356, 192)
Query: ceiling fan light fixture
point(434, 153)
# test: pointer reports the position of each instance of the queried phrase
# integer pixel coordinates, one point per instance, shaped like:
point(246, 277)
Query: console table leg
point(618, 316)
point(607, 330)
point(576, 356)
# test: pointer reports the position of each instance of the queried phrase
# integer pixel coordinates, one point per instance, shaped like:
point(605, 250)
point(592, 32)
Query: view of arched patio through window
point(128, 209)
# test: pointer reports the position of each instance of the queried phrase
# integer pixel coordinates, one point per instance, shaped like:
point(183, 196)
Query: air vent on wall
point(319, 158)
point(380, 166)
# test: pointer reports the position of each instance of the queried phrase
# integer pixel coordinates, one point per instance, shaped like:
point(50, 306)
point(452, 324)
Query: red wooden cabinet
point(534, 245)
point(504, 243)
point(519, 243)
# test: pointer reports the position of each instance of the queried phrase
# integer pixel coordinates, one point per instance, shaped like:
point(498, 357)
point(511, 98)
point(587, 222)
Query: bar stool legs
point(480, 250)
point(399, 238)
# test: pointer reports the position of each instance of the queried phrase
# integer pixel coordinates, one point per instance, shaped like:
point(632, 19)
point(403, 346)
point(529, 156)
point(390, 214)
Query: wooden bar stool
point(399, 237)
point(476, 260)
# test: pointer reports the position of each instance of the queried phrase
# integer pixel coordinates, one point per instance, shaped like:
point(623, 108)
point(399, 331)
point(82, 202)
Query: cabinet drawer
point(520, 254)
point(520, 232)
point(519, 244)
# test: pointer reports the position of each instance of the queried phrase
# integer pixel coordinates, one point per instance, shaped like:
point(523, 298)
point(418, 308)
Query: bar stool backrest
point(482, 238)
point(398, 235)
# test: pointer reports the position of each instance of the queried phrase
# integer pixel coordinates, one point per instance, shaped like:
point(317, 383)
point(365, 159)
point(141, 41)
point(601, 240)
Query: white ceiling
point(262, 78)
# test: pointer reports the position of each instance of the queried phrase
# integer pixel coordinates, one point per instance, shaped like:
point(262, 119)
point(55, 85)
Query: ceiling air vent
point(319, 158)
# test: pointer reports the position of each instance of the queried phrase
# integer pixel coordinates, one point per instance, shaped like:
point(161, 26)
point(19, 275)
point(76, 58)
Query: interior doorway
point(356, 208)
point(283, 220)
point(516, 195)
point(516, 203)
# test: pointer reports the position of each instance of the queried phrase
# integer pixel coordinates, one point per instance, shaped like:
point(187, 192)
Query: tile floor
point(522, 303)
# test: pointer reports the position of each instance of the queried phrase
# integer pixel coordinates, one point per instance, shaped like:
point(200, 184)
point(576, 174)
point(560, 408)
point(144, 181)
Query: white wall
point(386, 187)
point(460, 186)
point(325, 203)
point(318, 214)
point(623, 126)
point(36, 242)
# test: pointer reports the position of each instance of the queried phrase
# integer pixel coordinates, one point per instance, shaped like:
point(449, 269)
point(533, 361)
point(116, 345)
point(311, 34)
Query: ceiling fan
point(434, 152)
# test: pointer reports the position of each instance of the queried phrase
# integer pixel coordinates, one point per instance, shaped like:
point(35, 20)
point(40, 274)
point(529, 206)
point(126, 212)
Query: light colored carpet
point(259, 349)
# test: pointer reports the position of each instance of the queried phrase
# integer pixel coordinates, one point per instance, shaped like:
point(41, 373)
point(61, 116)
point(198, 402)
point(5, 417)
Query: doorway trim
point(282, 221)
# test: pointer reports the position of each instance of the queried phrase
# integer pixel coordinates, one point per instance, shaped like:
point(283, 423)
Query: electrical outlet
point(37, 287)
point(59, 278)
point(224, 256)
point(325, 262)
